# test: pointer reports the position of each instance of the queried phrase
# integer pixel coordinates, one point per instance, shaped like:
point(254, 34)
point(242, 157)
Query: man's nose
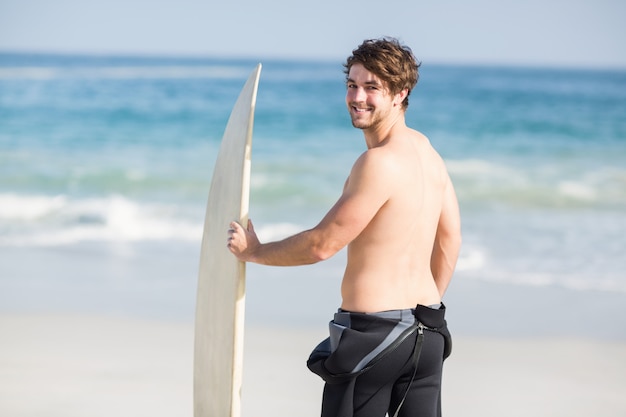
point(358, 94)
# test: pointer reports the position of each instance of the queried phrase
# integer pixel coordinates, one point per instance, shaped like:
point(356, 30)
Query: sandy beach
point(71, 366)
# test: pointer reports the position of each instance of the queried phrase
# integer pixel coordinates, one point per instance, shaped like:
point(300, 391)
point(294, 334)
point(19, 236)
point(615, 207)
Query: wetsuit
point(369, 363)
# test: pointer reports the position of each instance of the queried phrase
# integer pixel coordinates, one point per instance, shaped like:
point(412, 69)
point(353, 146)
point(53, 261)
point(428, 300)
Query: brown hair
point(392, 62)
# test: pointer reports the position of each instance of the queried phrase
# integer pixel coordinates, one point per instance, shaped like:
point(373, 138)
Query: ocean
point(106, 161)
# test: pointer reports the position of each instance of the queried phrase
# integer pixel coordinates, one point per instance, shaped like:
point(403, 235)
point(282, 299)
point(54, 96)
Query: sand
point(71, 366)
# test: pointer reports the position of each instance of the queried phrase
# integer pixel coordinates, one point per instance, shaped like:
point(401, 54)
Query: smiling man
point(398, 216)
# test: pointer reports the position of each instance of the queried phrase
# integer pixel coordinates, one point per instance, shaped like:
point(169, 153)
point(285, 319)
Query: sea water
point(105, 165)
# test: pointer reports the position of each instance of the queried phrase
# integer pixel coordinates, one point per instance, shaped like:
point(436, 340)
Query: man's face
point(367, 97)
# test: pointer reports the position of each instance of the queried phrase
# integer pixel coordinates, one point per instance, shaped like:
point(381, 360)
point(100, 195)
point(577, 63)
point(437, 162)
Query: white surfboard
point(218, 353)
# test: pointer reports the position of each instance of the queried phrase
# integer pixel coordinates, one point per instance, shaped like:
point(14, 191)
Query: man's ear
point(401, 96)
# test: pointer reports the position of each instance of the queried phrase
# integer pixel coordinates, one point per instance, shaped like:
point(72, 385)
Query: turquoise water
point(118, 151)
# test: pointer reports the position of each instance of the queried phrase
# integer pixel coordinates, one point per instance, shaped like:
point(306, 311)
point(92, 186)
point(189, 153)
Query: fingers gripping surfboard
point(218, 350)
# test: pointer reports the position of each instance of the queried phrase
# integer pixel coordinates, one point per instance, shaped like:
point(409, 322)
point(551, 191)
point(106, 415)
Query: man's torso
point(389, 262)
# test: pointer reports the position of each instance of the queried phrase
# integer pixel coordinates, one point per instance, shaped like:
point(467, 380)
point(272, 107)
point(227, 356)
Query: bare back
point(389, 261)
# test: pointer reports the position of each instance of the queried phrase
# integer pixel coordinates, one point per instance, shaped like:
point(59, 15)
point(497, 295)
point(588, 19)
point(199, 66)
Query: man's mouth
point(360, 109)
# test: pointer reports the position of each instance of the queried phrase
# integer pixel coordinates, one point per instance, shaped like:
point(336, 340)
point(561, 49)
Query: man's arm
point(447, 240)
point(300, 249)
point(364, 193)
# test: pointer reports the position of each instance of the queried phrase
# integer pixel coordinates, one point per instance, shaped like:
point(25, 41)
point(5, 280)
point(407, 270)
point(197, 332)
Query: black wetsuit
point(387, 362)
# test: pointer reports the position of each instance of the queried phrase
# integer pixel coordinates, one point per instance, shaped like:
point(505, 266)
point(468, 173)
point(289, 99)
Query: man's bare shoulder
point(428, 152)
point(375, 159)
point(423, 140)
point(399, 157)
point(374, 172)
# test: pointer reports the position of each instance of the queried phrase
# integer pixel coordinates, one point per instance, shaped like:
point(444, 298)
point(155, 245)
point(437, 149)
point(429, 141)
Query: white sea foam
point(577, 190)
point(471, 258)
point(60, 220)
point(14, 207)
point(278, 231)
point(544, 184)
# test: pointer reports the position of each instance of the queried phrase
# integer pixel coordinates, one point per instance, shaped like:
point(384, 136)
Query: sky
point(570, 33)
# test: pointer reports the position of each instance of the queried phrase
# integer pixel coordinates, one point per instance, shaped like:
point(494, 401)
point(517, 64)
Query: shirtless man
point(399, 217)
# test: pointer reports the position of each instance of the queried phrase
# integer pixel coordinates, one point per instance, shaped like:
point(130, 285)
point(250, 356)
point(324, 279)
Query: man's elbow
point(323, 251)
point(450, 243)
point(319, 254)
point(452, 235)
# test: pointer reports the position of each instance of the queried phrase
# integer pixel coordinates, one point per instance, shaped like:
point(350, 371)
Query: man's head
point(388, 60)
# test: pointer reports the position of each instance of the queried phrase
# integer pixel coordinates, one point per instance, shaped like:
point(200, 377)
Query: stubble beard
point(359, 124)
point(364, 123)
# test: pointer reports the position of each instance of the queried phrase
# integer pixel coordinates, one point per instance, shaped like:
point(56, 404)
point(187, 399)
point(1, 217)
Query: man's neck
point(378, 135)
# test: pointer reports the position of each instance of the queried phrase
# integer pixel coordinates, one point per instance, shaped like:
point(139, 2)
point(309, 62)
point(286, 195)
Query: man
point(399, 217)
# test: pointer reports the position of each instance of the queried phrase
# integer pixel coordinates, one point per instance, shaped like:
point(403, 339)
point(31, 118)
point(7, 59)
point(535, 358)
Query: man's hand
point(242, 242)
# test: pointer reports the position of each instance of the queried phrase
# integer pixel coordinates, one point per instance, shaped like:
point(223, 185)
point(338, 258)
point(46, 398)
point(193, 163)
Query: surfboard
point(220, 303)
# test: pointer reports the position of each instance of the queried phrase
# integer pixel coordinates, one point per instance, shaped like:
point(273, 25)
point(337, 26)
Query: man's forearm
point(300, 249)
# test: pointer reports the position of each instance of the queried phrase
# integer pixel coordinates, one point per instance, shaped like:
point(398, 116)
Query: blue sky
point(580, 33)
